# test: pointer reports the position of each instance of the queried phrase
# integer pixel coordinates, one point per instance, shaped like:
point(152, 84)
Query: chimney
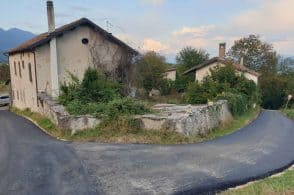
point(50, 16)
point(222, 50)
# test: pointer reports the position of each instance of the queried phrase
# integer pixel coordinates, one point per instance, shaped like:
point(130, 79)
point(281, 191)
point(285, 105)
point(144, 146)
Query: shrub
point(125, 106)
point(224, 83)
point(98, 97)
point(238, 103)
point(196, 94)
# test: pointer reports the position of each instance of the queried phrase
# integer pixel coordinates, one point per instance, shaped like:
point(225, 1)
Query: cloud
point(272, 17)
point(154, 45)
point(200, 31)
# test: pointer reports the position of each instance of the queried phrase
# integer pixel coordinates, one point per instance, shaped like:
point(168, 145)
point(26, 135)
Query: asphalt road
point(33, 163)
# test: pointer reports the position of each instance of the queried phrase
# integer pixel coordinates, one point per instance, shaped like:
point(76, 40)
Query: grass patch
point(124, 129)
point(43, 122)
point(289, 113)
point(3, 87)
point(237, 123)
point(283, 184)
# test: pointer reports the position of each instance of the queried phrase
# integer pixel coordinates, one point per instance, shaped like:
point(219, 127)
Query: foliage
point(124, 106)
point(257, 55)
point(4, 73)
point(282, 184)
point(238, 103)
point(289, 113)
point(97, 96)
point(186, 59)
point(273, 93)
point(224, 83)
point(277, 74)
point(149, 71)
point(190, 57)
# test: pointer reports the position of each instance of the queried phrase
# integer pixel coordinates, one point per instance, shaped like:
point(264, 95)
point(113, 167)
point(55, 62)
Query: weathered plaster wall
point(43, 68)
point(187, 119)
point(24, 93)
point(205, 71)
point(171, 75)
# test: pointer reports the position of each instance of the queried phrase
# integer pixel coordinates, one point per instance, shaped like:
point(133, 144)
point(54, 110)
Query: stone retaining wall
point(187, 119)
point(60, 117)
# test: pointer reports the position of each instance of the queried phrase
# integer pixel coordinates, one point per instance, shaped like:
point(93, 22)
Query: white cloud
point(154, 45)
point(194, 31)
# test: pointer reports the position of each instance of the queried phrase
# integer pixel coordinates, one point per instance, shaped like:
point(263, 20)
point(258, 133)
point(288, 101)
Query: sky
point(166, 26)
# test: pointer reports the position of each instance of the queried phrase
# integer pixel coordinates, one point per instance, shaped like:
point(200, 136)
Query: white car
point(4, 100)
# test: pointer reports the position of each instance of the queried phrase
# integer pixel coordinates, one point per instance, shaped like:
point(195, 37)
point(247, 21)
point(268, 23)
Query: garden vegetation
point(225, 83)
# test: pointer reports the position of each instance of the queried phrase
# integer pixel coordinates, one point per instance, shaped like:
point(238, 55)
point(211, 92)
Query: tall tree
point(186, 59)
point(149, 70)
point(257, 54)
point(189, 57)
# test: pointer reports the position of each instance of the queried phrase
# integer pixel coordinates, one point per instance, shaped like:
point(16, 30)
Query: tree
point(149, 71)
point(189, 57)
point(4, 73)
point(186, 59)
point(257, 55)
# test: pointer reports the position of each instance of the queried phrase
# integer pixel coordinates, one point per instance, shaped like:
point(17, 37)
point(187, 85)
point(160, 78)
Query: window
point(17, 95)
point(23, 66)
point(15, 72)
point(85, 41)
point(19, 69)
point(30, 72)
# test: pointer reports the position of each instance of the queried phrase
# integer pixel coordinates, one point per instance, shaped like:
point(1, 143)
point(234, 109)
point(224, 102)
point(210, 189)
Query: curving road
point(33, 163)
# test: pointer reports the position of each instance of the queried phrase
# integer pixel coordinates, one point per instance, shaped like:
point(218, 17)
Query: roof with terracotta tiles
point(46, 37)
point(238, 66)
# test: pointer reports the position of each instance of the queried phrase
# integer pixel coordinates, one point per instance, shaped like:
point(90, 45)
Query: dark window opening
point(30, 72)
point(85, 41)
point(19, 69)
point(23, 66)
point(15, 72)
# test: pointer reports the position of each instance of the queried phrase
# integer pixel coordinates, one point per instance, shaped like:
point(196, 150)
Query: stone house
point(170, 74)
point(203, 70)
point(41, 64)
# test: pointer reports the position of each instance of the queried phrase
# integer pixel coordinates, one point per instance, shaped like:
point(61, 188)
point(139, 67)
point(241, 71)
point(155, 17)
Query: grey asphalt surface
point(33, 163)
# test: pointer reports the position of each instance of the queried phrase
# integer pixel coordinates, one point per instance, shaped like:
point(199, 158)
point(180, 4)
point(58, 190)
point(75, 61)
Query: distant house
point(170, 74)
point(203, 70)
point(42, 63)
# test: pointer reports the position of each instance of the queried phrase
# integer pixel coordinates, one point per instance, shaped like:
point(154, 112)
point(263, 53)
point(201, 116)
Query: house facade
point(170, 74)
point(42, 64)
point(203, 70)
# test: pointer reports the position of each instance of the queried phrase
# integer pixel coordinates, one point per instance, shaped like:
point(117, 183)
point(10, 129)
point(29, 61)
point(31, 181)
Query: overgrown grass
point(289, 113)
point(43, 122)
point(3, 87)
point(236, 123)
point(125, 129)
point(283, 184)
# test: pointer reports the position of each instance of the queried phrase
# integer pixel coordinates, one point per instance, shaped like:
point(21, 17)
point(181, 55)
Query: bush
point(98, 97)
point(238, 103)
point(124, 106)
point(224, 83)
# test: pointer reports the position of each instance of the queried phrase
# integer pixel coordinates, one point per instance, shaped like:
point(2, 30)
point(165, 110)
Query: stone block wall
point(187, 119)
point(60, 117)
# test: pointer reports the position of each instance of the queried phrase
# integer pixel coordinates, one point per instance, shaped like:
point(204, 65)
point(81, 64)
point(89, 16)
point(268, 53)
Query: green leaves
point(224, 83)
